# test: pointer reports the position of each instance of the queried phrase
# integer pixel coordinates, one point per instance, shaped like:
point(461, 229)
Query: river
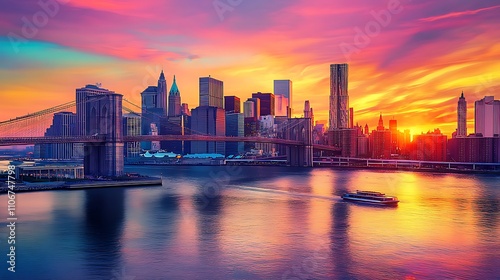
point(260, 223)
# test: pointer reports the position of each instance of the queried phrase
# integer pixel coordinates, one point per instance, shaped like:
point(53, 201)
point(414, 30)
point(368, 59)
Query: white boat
point(371, 197)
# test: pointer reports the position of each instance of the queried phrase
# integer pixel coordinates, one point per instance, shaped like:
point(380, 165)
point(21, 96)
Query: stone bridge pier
point(104, 119)
point(300, 129)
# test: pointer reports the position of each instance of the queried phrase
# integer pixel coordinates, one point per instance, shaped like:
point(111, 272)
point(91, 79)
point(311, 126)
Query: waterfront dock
point(150, 181)
point(84, 184)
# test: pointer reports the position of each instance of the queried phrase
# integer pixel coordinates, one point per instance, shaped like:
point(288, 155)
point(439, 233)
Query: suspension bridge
point(103, 138)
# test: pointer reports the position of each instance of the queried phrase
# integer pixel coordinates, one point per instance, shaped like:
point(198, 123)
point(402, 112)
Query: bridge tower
point(300, 129)
point(104, 119)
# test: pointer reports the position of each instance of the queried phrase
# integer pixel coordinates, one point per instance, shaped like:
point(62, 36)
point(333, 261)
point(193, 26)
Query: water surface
point(261, 223)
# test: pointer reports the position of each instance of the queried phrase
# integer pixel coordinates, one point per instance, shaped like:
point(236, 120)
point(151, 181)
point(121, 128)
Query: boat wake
point(288, 193)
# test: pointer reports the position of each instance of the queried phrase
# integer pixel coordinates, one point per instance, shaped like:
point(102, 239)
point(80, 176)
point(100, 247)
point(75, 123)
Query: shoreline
point(82, 185)
point(337, 167)
point(155, 181)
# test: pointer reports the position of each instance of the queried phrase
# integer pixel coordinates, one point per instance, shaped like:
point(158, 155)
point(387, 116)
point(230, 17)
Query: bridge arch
point(93, 121)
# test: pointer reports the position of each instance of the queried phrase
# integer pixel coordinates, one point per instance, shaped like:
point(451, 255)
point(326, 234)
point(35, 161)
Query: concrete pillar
point(300, 129)
point(104, 119)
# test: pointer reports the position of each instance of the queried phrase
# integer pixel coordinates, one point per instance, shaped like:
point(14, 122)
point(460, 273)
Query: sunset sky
point(413, 66)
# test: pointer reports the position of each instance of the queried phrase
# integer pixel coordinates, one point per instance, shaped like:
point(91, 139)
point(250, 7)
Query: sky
point(409, 60)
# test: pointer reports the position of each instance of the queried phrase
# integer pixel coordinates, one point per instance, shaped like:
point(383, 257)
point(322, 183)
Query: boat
point(371, 197)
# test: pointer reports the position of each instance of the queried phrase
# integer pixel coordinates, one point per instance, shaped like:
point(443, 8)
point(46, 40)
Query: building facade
point(339, 97)
point(232, 104)
point(474, 149)
point(431, 146)
point(211, 92)
point(266, 103)
point(285, 88)
point(185, 109)
point(462, 117)
point(235, 123)
point(487, 117)
point(178, 125)
point(380, 141)
point(208, 120)
point(153, 108)
point(281, 105)
point(132, 127)
point(63, 125)
point(174, 100)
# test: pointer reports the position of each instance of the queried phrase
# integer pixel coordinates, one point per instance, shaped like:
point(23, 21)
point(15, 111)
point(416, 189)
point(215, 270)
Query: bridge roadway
point(12, 141)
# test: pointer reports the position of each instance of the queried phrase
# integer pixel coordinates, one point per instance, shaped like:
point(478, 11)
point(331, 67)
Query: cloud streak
point(430, 51)
point(458, 14)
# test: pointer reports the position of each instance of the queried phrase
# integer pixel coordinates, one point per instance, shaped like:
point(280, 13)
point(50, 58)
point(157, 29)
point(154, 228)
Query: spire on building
point(462, 117)
point(174, 90)
point(174, 101)
point(162, 76)
point(380, 123)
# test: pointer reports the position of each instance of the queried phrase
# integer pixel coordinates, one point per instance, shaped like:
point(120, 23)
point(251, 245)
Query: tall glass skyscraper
point(462, 117)
point(285, 88)
point(208, 120)
point(211, 92)
point(339, 97)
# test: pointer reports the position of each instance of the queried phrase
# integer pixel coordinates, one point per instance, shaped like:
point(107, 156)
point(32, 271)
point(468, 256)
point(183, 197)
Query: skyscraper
point(393, 128)
point(185, 109)
point(208, 120)
point(285, 88)
point(462, 117)
point(162, 93)
point(132, 127)
point(174, 101)
point(430, 147)
point(266, 103)
point(232, 104)
point(351, 117)
point(249, 109)
point(487, 117)
point(380, 125)
point(63, 124)
point(380, 141)
point(339, 98)
point(256, 107)
point(280, 105)
point(235, 126)
point(154, 107)
point(211, 92)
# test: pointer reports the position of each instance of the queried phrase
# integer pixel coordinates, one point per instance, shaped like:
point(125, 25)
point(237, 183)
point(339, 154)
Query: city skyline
point(395, 73)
